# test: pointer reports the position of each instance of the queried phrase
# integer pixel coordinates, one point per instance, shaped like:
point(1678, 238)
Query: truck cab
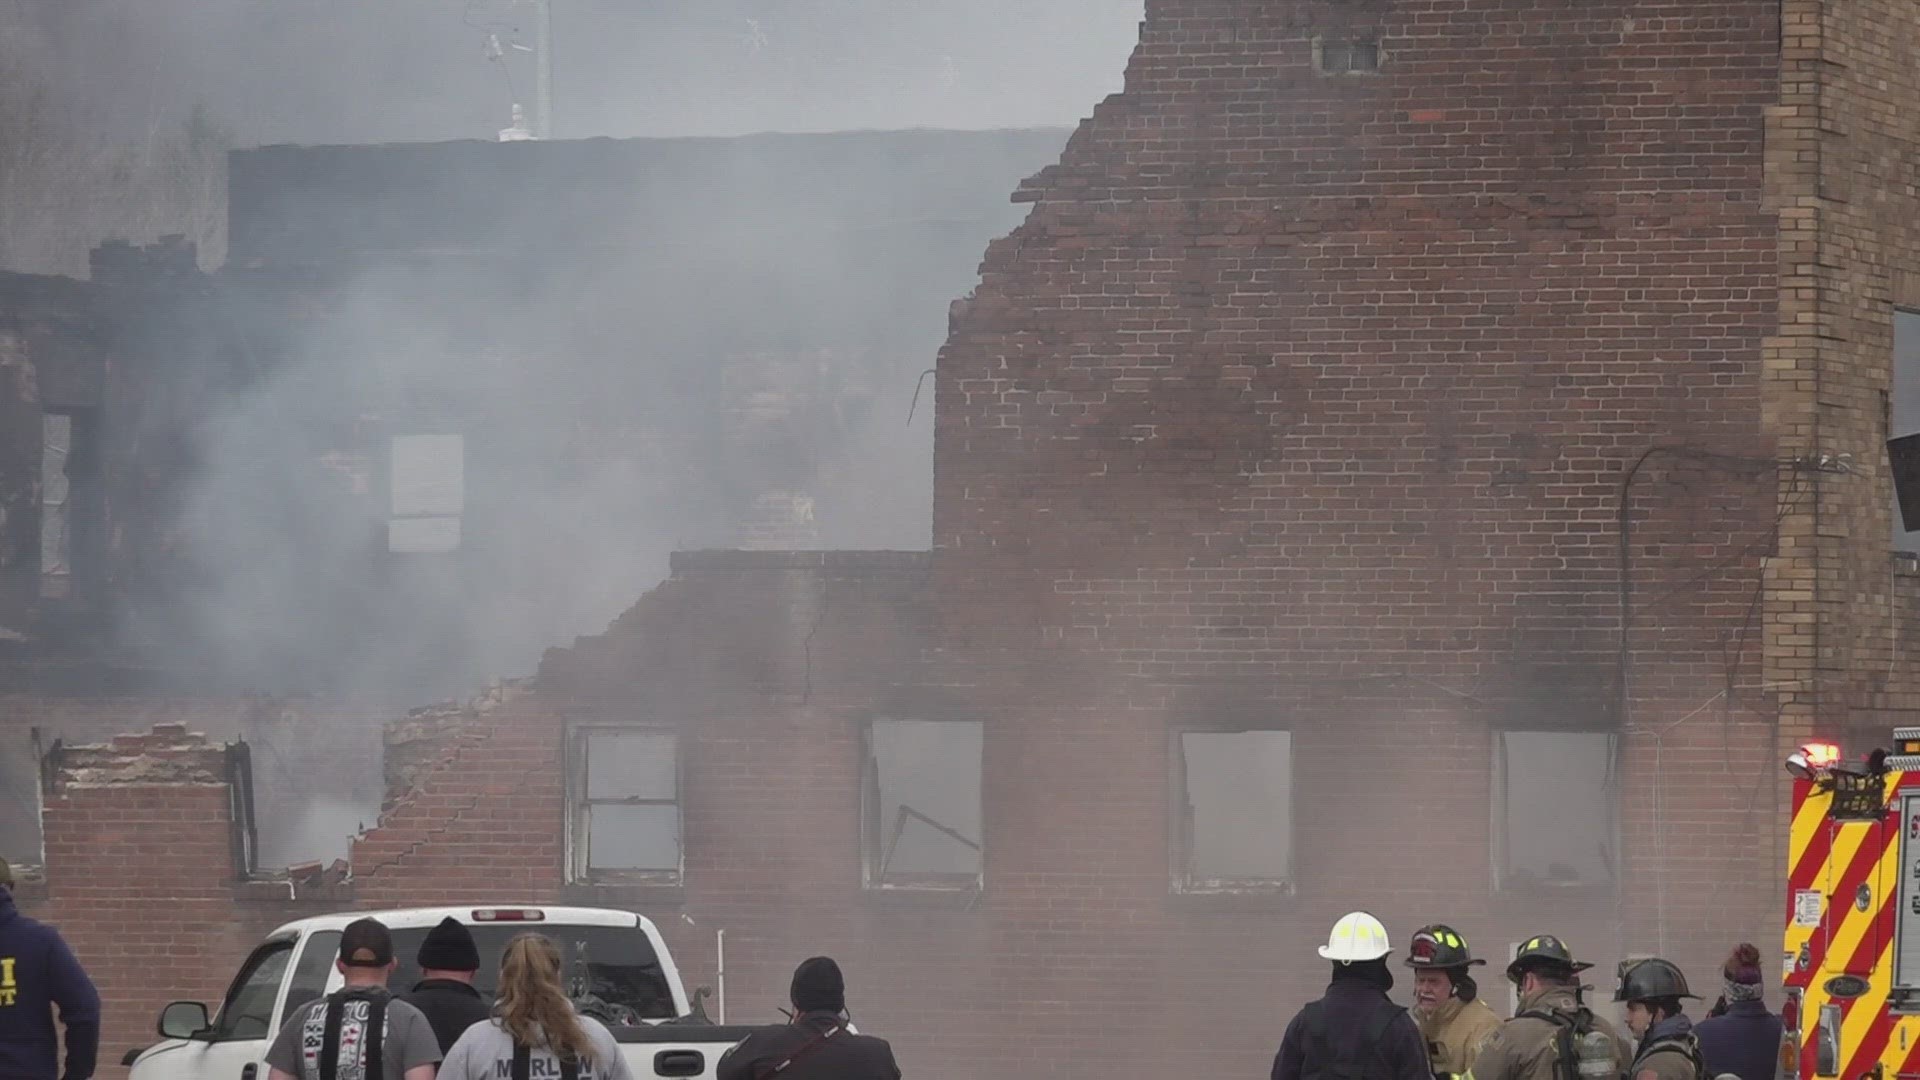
point(617, 969)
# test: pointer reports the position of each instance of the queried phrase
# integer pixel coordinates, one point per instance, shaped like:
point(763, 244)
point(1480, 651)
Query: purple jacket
point(38, 971)
point(1744, 1041)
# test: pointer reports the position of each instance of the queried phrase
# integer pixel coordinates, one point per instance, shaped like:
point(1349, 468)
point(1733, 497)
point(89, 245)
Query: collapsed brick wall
point(141, 881)
point(315, 762)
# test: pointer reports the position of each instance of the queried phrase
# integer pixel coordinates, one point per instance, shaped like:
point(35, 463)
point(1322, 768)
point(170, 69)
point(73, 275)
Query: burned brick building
point(445, 405)
point(1420, 455)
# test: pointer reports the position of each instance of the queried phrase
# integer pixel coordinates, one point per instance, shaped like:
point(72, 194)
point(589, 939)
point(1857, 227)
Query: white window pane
point(927, 770)
point(631, 767)
point(428, 476)
point(423, 536)
point(633, 837)
point(1556, 816)
point(1239, 791)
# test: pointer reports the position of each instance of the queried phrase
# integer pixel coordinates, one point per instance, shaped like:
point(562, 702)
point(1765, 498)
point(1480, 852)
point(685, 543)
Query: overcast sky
point(401, 70)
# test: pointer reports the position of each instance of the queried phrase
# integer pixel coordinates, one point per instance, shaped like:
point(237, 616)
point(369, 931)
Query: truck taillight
point(509, 915)
point(1790, 1036)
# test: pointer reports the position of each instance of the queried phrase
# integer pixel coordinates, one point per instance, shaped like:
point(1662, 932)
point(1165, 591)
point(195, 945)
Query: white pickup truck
point(617, 968)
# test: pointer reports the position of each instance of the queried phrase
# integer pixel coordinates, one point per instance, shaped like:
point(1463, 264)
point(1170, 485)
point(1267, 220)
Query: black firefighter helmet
point(1439, 947)
point(1651, 980)
point(1546, 954)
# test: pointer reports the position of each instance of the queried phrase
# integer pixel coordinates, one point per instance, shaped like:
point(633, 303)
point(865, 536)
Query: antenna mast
point(543, 67)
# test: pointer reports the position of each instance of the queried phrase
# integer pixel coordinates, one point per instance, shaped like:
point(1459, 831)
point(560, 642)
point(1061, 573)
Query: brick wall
point(1320, 399)
point(1333, 387)
point(1848, 137)
point(316, 762)
point(767, 664)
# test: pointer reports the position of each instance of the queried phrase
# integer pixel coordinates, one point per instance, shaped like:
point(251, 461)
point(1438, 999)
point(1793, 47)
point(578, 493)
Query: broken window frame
point(880, 839)
point(1182, 850)
point(79, 504)
point(1504, 879)
point(580, 804)
point(1904, 383)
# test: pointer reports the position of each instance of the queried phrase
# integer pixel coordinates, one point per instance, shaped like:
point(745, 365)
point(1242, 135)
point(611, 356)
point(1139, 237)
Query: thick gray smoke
point(748, 353)
point(365, 71)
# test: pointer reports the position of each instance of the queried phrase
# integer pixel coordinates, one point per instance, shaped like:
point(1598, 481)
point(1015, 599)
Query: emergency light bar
point(509, 915)
point(1808, 762)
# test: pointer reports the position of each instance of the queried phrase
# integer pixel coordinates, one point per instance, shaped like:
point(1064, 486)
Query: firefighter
point(1354, 1030)
point(1530, 1046)
point(1446, 1001)
point(1668, 1050)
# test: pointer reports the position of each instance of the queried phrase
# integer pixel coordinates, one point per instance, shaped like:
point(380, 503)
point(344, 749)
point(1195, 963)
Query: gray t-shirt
point(407, 1041)
point(485, 1052)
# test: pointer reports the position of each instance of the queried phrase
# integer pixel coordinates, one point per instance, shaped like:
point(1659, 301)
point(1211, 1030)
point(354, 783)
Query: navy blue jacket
point(1347, 1010)
point(1744, 1041)
point(37, 970)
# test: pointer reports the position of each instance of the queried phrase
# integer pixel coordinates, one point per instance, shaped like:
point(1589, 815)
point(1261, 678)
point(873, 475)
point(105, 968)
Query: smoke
point(581, 435)
point(365, 71)
point(742, 347)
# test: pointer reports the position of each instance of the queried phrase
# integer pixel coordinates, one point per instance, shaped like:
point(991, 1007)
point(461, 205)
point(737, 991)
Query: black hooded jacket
point(1356, 1000)
point(451, 1007)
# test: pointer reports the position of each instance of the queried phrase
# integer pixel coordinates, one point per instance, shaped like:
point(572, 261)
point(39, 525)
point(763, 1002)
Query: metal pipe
point(720, 946)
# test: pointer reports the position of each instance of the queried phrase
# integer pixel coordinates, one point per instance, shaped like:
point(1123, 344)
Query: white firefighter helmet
point(1357, 936)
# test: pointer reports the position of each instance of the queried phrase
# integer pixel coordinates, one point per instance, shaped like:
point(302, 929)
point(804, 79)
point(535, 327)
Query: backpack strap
point(1565, 1064)
point(523, 1065)
point(376, 1036)
point(373, 1035)
point(1686, 1044)
point(330, 1038)
point(1317, 1047)
point(806, 1048)
point(1371, 1036)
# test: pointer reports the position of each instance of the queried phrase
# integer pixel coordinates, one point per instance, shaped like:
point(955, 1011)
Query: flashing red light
point(1812, 759)
point(509, 915)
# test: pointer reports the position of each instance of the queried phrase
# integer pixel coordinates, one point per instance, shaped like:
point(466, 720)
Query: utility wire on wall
point(1733, 644)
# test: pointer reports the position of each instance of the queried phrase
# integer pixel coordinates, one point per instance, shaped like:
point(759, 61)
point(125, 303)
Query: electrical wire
point(1623, 661)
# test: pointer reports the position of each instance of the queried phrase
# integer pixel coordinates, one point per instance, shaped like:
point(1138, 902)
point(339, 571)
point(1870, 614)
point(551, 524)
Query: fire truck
point(1852, 1005)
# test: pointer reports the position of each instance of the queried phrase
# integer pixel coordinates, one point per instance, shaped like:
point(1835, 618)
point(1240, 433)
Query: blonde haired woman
point(535, 1030)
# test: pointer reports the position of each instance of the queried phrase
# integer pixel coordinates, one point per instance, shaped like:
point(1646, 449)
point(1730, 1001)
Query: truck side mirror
point(183, 1020)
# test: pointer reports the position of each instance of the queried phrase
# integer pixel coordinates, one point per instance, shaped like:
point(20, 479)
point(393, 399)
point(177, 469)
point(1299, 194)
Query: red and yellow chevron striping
point(1853, 867)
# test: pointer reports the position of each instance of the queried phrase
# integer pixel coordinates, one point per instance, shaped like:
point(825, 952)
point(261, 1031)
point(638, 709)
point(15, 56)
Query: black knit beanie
point(818, 986)
point(449, 947)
